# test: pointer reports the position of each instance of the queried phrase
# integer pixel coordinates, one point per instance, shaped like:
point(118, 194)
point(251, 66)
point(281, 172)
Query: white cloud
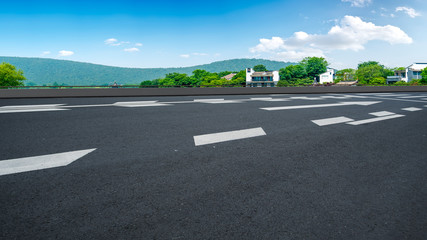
point(185, 55)
point(200, 54)
point(138, 44)
point(134, 49)
point(65, 53)
point(45, 53)
point(358, 3)
point(112, 42)
point(410, 11)
point(352, 34)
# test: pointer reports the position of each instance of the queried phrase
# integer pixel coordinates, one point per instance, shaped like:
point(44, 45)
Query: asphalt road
point(344, 166)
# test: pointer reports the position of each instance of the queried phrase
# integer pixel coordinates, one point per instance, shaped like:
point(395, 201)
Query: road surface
point(328, 166)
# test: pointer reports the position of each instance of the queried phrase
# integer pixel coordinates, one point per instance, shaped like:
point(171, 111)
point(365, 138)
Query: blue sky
point(167, 33)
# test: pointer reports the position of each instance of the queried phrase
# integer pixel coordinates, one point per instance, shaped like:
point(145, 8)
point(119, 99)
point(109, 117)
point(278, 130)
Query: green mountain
point(44, 71)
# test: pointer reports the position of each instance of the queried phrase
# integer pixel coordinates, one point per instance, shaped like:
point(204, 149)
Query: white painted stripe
point(224, 101)
point(391, 95)
point(140, 104)
point(134, 103)
point(278, 100)
point(261, 99)
point(93, 105)
point(307, 98)
point(31, 110)
point(335, 97)
point(330, 121)
point(413, 97)
point(412, 109)
point(32, 106)
point(381, 114)
point(371, 120)
point(209, 100)
point(19, 165)
point(146, 105)
point(228, 136)
point(319, 105)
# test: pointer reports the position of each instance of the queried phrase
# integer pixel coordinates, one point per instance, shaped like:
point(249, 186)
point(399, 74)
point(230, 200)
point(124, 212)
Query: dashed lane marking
point(209, 100)
point(412, 109)
point(32, 108)
point(228, 136)
point(319, 106)
point(412, 97)
point(377, 119)
point(140, 104)
point(381, 114)
point(330, 121)
point(27, 164)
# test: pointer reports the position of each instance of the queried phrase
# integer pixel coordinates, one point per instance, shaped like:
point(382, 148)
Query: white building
point(261, 79)
point(328, 76)
point(413, 71)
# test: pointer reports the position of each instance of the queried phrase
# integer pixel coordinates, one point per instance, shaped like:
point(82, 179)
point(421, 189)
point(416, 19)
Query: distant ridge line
point(47, 71)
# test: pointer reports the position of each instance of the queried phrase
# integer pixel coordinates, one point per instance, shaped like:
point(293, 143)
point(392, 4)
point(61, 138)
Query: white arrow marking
point(319, 105)
point(27, 164)
point(228, 136)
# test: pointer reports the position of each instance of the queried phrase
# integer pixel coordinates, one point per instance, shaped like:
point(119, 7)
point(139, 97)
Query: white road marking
point(335, 97)
point(307, 98)
point(93, 105)
point(209, 100)
point(261, 99)
point(377, 119)
point(381, 114)
point(224, 101)
point(413, 97)
point(32, 108)
point(391, 95)
point(412, 109)
point(278, 100)
point(140, 104)
point(330, 121)
point(228, 136)
point(19, 165)
point(396, 99)
point(319, 105)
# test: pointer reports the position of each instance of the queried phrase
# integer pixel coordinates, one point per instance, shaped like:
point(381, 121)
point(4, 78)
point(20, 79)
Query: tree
point(370, 72)
point(239, 78)
point(177, 79)
point(423, 80)
point(314, 66)
point(347, 74)
point(10, 76)
point(260, 68)
point(292, 72)
point(146, 83)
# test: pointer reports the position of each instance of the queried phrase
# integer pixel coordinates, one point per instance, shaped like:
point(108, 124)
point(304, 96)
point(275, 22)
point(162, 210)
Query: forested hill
point(44, 71)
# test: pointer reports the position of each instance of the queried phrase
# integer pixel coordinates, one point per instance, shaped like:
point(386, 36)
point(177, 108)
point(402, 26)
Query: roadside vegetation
point(10, 76)
point(300, 74)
